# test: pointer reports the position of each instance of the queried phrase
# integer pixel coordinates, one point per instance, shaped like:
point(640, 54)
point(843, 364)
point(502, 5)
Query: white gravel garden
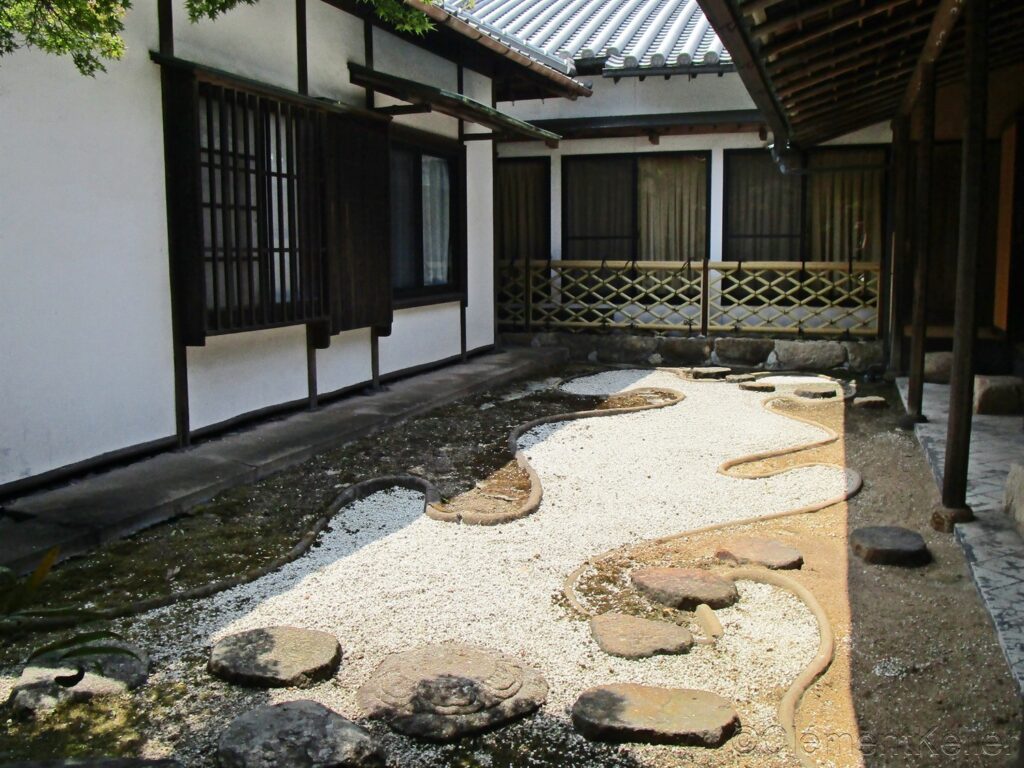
point(385, 578)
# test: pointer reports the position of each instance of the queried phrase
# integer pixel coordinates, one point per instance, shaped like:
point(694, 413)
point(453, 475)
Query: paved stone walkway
point(992, 545)
point(82, 515)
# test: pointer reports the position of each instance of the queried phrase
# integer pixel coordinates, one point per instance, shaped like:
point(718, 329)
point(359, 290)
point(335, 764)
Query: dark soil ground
point(919, 678)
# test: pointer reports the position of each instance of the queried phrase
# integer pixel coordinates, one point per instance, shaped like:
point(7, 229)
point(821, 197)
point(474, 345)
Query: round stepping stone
point(709, 372)
point(870, 401)
point(634, 638)
point(685, 588)
point(630, 712)
point(442, 692)
point(298, 734)
point(757, 386)
point(740, 378)
point(889, 545)
point(276, 657)
point(816, 391)
point(767, 552)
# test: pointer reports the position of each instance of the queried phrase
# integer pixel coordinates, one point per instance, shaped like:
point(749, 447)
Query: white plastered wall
point(421, 336)
point(86, 363)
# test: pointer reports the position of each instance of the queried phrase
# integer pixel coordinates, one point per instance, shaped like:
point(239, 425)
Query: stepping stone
point(767, 552)
point(630, 712)
point(634, 638)
point(685, 588)
point(442, 692)
point(740, 378)
point(889, 545)
point(757, 386)
point(816, 391)
point(709, 372)
point(870, 401)
point(276, 657)
point(298, 734)
point(46, 682)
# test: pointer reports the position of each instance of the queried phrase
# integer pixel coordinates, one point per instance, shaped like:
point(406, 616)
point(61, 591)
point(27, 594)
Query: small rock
point(634, 638)
point(442, 692)
point(767, 552)
point(276, 657)
point(889, 545)
point(592, 356)
point(998, 395)
point(297, 734)
point(870, 401)
point(708, 372)
point(864, 355)
point(630, 712)
point(740, 378)
point(655, 359)
point(757, 386)
point(938, 366)
point(685, 588)
point(809, 355)
point(40, 688)
point(816, 391)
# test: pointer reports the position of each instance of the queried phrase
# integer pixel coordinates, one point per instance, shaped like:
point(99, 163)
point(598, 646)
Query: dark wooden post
point(961, 391)
point(922, 249)
point(900, 256)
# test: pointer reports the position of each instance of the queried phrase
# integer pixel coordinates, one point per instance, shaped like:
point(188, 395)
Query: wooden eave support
point(961, 386)
point(938, 35)
point(900, 259)
point(800, 40)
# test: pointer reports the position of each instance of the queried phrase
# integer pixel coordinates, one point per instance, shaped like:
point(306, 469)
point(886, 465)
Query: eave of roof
point(447, 102)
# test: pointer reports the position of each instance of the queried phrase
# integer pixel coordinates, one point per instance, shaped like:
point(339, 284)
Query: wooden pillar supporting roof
point(961, 390)
point(922, 246)
point(901, 257)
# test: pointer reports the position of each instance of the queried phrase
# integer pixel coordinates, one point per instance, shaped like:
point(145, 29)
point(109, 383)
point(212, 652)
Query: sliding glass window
point(522, 218)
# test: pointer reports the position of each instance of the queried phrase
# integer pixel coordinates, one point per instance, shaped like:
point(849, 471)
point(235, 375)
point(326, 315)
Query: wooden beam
point(797, 19)
point(922, 245)
point(850, 85)
point(799, 41)
point(823, 80)
point(802, 114)
point(961, 385)
point(938, 35)
point(749, 65)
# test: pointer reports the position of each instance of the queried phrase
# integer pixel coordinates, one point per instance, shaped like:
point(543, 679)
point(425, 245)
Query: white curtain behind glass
point(437, 230)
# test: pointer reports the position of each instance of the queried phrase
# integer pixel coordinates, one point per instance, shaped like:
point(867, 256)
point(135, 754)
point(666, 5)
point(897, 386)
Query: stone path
point(764, 552)
point(631, 637)
point(992, 545)
point(276, 657)
point(442, 692)
point(629, 712)
point(684, 588)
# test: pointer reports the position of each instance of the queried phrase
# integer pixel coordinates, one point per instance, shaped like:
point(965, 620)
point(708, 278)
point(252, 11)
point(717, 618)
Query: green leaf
point(72, 642)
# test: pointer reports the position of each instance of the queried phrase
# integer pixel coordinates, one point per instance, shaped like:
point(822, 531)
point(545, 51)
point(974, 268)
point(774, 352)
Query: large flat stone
point(684, 351)
point(937, 367)
point(631, 637)
point(765, 552)
point(809, 355)
point(998, 395)
point(297, 734)
point(442, 692)
point(752, 352)
point(629, 712)
point(276, 657)
point(707, 372)
point(864, 356)
point(684, 588)
point(889, 545)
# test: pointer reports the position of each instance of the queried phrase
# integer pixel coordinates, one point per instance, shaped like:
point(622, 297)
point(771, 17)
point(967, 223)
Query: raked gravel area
point(385, 578)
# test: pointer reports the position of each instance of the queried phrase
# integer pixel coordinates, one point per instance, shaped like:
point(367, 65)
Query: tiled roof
point(623, 34)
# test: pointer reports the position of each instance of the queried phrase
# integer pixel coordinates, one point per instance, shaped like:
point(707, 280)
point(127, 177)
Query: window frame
point(804, 235)
point(422, 143)
point(568, 160)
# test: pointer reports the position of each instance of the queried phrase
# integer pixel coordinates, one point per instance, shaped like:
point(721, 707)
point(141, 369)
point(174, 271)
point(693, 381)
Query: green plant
point(15, 604)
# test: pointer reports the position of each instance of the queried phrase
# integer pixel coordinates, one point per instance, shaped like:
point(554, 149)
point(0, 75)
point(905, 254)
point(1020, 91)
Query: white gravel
point(386, 578)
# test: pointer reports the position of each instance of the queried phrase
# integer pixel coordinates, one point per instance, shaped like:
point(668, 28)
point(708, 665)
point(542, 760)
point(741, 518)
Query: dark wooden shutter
point(358, 226)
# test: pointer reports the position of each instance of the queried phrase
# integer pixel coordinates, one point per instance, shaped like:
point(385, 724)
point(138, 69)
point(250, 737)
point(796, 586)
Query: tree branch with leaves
point(90, 31)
